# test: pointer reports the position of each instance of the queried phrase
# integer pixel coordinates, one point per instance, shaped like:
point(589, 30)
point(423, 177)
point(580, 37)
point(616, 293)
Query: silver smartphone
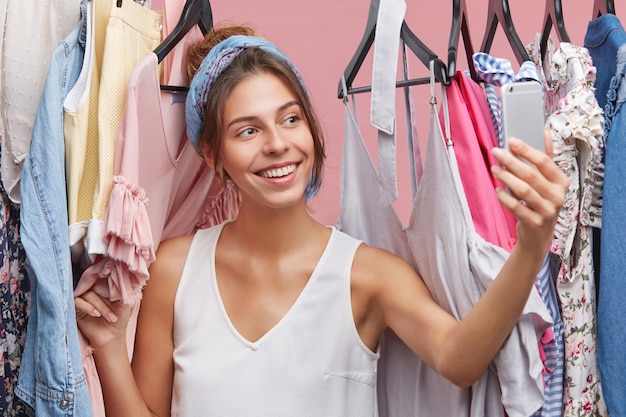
point(522, 113)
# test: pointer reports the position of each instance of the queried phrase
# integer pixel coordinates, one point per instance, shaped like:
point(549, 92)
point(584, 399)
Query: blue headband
point(213, 65)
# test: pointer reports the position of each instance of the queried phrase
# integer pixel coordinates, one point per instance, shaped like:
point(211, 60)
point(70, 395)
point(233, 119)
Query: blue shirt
point(611, 308)
point(603, 39)
point(51, 378)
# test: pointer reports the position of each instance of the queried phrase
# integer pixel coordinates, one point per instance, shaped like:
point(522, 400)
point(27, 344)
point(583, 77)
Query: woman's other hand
point(101, 320)
point(534, 196)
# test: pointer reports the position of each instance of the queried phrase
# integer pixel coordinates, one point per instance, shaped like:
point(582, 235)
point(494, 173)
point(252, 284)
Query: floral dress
point(14, 305)
point(576, 122)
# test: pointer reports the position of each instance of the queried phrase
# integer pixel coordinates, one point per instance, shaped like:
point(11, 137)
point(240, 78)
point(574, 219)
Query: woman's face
point(267, 146)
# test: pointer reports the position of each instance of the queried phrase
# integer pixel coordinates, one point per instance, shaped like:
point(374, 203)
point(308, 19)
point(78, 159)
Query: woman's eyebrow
point(250, 118)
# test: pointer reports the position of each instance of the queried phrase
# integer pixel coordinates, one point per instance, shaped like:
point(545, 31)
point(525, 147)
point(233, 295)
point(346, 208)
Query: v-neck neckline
point(312, 278)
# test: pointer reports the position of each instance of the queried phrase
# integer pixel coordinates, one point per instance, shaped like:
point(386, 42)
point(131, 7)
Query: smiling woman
point(273, 313)
point(267, 147)
point(286, 75)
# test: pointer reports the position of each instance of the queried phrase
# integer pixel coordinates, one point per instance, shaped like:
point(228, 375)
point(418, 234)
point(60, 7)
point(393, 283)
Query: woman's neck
point(275, 231)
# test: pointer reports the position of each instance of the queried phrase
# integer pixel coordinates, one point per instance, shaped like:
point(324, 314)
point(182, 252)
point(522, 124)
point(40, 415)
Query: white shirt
point(311, 363)
point(30, 30)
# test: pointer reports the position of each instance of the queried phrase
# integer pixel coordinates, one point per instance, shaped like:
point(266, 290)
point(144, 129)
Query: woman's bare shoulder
point(174, 247)
point(375, 260)
point(166, 270)
point(378, 268)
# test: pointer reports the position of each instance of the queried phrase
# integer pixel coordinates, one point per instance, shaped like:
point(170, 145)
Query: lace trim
point(578, 140)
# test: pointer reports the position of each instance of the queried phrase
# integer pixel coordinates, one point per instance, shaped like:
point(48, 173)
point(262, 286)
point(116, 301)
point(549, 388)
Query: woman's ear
point(207, 155)
point(216, 166)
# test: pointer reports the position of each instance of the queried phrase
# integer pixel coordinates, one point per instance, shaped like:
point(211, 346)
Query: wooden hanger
point(601, 7)
point(499, 12)
point(460, 26)
point(553, 16)
point(424, 54)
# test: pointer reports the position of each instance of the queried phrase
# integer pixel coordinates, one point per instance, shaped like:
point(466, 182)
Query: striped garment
point(554, 349)
point(496, 72)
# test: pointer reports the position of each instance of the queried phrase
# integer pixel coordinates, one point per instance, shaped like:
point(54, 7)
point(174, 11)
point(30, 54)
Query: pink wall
point(322, 35)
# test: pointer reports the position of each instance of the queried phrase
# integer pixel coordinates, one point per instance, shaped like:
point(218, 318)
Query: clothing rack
point(420, 49)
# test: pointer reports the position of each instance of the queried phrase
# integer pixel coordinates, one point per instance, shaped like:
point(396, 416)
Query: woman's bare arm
point(461, 351)
point(145, 388)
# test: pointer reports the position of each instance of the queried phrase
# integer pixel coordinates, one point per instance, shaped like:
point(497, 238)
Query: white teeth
point(279, 172)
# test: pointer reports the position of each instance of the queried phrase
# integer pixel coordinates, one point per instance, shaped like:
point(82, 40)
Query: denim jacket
point(51, 381)
point(604, 37)
point(611, 308)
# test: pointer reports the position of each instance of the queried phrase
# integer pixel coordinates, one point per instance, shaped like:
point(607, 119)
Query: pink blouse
point(473, 136)
point(161, 189)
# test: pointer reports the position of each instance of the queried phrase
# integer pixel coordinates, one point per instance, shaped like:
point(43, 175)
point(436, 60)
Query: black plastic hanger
point(119, 3)
point(424, 54)
point(601, 7)
point(195, 12)
point(553, 16)
point(459, 26)
point(499, 12)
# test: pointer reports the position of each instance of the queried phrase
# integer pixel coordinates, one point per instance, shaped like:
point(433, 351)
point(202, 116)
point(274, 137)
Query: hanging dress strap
point(382, 111)
point(415, 156)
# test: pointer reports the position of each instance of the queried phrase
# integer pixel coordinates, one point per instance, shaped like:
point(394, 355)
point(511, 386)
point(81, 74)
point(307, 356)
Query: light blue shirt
point(604, 39)
point(611, 308)
point(604, 36)
point(51, 379)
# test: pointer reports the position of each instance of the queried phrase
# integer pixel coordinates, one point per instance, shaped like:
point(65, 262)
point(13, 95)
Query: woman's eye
point(291, 120)
point(247, 132)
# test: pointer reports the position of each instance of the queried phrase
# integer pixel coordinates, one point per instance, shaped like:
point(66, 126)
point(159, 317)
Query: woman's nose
point(275, 142)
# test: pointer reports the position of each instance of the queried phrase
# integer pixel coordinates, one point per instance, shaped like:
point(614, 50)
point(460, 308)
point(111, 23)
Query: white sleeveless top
point(311, 363)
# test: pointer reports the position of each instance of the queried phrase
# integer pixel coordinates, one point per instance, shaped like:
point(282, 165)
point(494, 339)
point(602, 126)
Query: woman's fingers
point(547, 141)
point(547, 179)
point(91, 304)
point(541, 160)
point(84, 308)
point(536, 191)
point(536, 186)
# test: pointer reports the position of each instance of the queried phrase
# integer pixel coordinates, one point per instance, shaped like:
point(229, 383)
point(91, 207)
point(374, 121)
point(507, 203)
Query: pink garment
point(473, 135)
point(162, 189)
